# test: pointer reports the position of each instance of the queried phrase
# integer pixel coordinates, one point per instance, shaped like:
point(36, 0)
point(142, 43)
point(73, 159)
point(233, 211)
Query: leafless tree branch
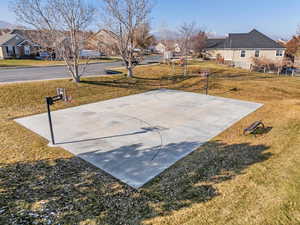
point(125, 17)
point(64, 21)
point(186, 32)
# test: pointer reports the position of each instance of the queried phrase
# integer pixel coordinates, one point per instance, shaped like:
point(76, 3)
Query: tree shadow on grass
point(72, 191)
point(120, 83)
point(241, 76)
point(142, 83)
point(167, 77)
point(147, 83)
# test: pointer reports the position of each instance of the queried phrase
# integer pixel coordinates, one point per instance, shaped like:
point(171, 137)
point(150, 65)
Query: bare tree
point(143, 38)
point(198, 42)
point(164, 33)
point(64, 22)
point(124, 17)
point(186, 32)
point(266, 64)
point(167, 36)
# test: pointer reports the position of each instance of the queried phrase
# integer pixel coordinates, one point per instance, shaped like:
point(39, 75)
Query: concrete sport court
point(135, 138)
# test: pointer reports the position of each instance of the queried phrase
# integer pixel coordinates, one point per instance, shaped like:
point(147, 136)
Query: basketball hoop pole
point(49, 102)
point(206, 89)
point(61, 95)
point(205, 74)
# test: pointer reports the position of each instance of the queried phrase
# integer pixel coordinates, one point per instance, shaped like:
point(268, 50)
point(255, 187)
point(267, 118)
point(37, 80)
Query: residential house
point(169, 45)
point(160, 48)
point(13, 45)
point(104, 41)
point(177, 48)
point(241, 48)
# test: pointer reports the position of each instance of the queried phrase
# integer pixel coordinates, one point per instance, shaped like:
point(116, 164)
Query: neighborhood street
point(56, 72)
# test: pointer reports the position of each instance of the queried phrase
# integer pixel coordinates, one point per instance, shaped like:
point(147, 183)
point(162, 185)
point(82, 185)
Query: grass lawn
point(232, 179)
point(34, 62)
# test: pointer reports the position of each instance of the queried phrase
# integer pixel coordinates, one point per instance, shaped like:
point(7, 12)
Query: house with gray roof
point(240, 49)
point(13, 45)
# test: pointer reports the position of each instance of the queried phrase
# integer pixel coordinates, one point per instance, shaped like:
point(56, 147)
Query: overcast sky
point(277, 18)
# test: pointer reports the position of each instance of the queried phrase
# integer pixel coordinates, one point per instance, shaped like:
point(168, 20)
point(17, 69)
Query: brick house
point(13, 45)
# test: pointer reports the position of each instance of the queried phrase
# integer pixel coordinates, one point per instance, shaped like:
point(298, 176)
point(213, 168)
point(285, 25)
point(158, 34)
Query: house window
point(256, 53)
point(279, 53)
point(9, 50)
point(27, 50)
point(243, 53)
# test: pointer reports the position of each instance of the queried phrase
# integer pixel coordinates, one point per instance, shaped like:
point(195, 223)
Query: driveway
point(56, 72)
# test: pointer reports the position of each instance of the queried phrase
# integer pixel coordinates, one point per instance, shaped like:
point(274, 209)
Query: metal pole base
point(51, 145)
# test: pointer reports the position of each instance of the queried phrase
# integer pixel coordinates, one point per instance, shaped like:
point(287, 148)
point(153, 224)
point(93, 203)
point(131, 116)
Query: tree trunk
point(129, 72)
point(76, 77)
point(185, 65)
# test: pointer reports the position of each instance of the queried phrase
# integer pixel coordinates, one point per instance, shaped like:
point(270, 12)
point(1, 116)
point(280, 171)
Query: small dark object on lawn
point(112, 72)
point(253, 127)
point(234, 89)
point(204, 73)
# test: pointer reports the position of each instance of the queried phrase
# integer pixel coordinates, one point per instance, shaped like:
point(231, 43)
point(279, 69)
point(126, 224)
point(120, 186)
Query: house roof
point(35, 37)
point(108, 33)
point(10, 39)
point(215, 42)
point(253, 39)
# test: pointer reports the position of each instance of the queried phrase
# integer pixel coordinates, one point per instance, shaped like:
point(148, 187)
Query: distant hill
point(7, 25)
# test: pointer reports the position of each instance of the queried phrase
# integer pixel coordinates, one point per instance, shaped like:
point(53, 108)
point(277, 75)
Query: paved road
point(47, 73)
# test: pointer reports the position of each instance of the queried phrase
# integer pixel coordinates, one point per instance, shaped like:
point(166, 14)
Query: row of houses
point(168, 45)
point(239, 49)
point(20, 43)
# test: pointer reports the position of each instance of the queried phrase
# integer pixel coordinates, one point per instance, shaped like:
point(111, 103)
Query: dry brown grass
point(233, 179)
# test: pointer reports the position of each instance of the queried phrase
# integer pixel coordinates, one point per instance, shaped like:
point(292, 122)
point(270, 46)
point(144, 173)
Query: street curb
point(53, 79)
point(66, 78)
point(143, 65)
point(28, 67)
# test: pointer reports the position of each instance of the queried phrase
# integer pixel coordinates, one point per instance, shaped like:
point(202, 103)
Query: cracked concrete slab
point(135, 138)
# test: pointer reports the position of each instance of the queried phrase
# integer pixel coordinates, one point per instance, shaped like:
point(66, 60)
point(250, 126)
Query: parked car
point(134, 62)
point(287, 70)
point(90, 54)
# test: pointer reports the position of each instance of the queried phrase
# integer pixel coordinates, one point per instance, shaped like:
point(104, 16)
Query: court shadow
point(142, 130)
point(72, 191)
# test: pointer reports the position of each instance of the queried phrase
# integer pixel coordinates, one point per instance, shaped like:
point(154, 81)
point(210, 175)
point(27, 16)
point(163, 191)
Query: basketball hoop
point(61, 95)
